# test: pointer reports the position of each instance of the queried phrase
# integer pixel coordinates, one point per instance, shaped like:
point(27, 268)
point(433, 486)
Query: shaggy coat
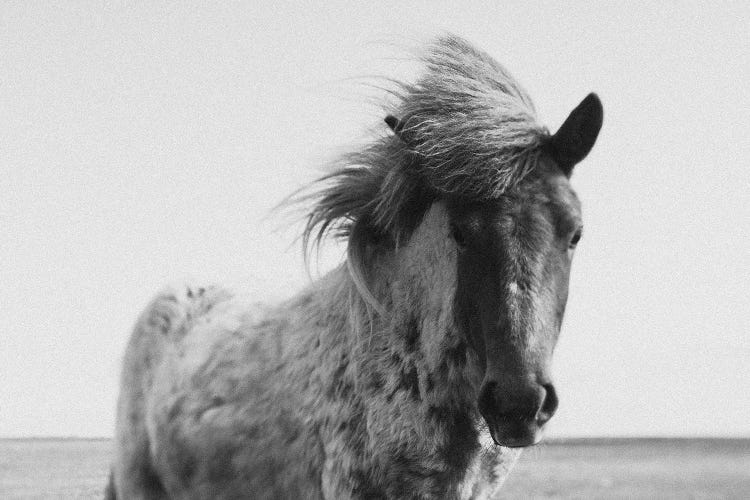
point(365, 384)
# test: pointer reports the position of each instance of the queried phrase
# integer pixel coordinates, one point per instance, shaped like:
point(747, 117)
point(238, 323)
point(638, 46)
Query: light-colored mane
point(471, 131)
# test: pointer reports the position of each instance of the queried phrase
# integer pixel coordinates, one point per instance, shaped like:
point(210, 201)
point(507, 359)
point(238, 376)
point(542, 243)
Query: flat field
point(633, 468)
point(582, 468)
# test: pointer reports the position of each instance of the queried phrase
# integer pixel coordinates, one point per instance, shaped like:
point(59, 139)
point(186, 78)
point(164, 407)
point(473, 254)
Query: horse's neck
point(411, 343)
point(409, 336)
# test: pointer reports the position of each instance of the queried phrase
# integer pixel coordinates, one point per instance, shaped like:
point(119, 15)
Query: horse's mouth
point(514, 434)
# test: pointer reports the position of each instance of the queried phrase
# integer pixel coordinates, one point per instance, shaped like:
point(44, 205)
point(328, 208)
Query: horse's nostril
point(514, 404)
point(549, 406)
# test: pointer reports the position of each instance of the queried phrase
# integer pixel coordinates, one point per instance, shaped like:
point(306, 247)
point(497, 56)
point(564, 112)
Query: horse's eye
point(575, 239)
point(458, 236)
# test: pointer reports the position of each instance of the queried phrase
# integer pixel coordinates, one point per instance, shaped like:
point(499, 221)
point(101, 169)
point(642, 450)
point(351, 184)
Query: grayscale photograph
point(374, 250)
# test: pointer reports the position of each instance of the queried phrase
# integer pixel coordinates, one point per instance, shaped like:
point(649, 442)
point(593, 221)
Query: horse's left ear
point(397, 126)
point(393, 123)
point(578, 134)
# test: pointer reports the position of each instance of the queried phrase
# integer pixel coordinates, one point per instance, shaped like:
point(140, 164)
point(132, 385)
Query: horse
point(417, 368)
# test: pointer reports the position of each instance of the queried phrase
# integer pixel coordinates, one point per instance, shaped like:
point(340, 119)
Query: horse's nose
point(533, 404)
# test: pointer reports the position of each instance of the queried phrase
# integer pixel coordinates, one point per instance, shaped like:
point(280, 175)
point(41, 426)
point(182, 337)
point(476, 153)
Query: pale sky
point(145, 143)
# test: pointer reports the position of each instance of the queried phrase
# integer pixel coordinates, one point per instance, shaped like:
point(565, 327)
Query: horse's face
point(513, 265)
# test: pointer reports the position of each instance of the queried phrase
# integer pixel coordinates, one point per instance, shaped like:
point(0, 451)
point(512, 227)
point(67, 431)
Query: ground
point(587, 468)
point(634, 468)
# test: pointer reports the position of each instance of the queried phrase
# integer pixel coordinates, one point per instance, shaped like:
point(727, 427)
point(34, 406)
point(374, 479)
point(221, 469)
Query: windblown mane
point(466, 129)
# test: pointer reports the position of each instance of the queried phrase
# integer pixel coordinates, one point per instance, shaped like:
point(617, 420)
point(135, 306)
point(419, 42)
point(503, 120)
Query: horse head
point(513, 254)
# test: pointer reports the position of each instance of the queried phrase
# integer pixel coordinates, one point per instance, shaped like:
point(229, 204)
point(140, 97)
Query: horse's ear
point(397, 126)
point(578, 134)
point(393, 123)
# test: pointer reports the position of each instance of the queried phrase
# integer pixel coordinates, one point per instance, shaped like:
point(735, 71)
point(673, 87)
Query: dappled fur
point(363, 385)
point(220, 398)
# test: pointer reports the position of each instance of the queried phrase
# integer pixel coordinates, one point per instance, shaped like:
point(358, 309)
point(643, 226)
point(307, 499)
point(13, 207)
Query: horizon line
point(551, 439)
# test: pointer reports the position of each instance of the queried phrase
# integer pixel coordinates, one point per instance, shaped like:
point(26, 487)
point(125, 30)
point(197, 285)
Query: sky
point(147, 143)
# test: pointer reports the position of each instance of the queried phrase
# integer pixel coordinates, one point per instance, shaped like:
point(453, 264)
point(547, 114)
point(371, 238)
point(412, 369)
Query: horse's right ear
point(578, 134)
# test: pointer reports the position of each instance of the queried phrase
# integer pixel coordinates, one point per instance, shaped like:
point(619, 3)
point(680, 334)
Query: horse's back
point(201, 412)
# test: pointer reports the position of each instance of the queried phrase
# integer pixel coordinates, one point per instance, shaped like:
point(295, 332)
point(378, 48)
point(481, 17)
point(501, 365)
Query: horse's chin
point(514, 434)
